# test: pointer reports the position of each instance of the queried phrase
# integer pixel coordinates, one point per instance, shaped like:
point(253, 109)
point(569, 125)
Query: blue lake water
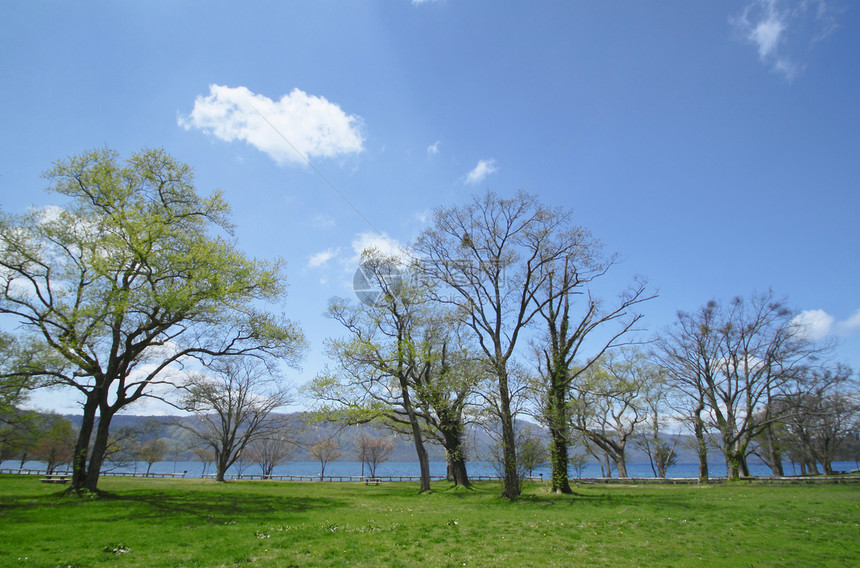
point(342, 468)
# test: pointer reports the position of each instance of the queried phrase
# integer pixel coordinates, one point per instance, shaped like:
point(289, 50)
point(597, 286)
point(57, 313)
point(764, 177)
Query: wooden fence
point(793, 480)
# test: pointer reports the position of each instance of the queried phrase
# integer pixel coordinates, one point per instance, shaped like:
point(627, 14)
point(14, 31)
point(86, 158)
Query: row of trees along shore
point(136, 287)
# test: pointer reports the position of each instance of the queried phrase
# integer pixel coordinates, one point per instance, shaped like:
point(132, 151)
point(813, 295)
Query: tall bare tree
point(490, 258)
point(325, 450)
point(569, 325)
point(271, 450)
point(234, 407)
point(732, 359)
point(818, 412)
point(688, 351)
point(373, 451)
point(136, 272)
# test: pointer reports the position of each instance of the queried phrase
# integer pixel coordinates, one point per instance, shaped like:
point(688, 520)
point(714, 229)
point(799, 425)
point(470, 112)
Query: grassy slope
point(200, 523)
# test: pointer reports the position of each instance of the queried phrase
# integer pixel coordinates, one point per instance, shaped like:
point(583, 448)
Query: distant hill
point(307, 432)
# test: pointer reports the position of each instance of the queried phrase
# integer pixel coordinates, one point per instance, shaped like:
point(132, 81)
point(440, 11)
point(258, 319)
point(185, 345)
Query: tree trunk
point(417, 437)
point(701, 444)
point(621, 464)
point(99, 448)
point(733, 465)
point(459, 473)
point(745, 470)
point(452, 434)
point(773, 452)
point(79, 458)
point(559, 459)
point(509, 444)
point(661, 467)
point(558, 451)
point(423, 460)
point(220, 466)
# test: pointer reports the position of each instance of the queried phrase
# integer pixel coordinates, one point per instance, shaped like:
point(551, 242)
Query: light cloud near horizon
point(480, 172)
point(293, 129)
point(818, 324)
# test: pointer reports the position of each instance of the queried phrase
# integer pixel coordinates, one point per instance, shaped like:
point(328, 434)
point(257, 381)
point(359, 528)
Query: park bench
point(55, 478)
point(371, 480)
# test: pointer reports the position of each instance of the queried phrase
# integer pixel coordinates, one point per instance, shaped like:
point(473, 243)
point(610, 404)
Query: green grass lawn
point(190, 522)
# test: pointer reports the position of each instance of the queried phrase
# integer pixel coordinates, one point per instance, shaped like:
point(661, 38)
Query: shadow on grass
point(202, 506)
point(652, 500)
point(213, 506)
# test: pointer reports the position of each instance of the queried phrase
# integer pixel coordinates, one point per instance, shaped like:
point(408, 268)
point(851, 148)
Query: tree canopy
point(134, 274)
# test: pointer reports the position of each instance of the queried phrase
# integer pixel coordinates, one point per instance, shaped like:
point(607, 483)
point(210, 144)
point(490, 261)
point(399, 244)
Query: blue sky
point(714, 146)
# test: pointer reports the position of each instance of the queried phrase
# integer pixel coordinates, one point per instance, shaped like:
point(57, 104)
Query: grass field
point(188, 522)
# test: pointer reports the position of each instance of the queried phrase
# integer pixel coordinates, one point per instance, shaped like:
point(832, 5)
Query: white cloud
point(293, 129)
point(380, 241)
point(818, 324)
point(783, 31)
point(814, 324)
point(433, 149)
point(481, 171)
point(321, 258)
point(419, 2)
point(766, 33)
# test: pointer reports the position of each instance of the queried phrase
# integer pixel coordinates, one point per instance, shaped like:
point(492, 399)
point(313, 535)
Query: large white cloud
point(814, 324)
point(294, 129)
point(481, 171)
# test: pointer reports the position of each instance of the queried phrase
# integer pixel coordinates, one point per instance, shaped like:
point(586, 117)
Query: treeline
point(50, 438)
point(496, 313)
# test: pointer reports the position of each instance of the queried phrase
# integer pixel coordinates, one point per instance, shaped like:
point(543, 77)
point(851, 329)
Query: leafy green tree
point(152, 451)
point(651, 439)
point(608, 403)
point(56, 444)
point(578, 461)
point(133, 275)
point(531, 451)
point(402, 362)
point(19, 432)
